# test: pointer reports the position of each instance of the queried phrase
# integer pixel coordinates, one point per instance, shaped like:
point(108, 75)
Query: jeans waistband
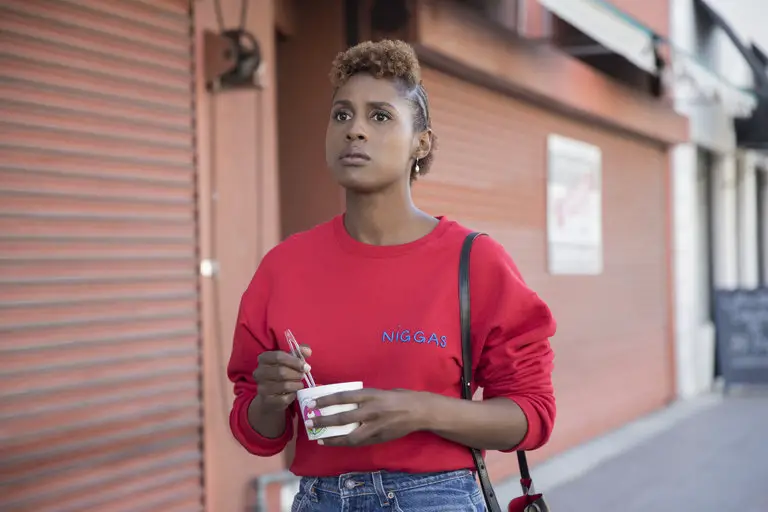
point(379, 482)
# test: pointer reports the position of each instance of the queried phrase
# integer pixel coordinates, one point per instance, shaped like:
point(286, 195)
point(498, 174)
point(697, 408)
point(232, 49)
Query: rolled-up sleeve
point(511, 328)
point(251, 338)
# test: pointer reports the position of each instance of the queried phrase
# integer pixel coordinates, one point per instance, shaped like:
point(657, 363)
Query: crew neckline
point(350, 244)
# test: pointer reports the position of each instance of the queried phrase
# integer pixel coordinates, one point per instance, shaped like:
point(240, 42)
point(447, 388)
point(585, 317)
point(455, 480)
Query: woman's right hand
point(278, 376)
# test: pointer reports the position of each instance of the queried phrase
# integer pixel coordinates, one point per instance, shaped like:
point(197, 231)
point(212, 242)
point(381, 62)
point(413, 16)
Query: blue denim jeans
point(453, 491)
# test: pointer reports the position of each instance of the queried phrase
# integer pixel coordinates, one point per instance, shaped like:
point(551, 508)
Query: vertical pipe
point(352, 21)
point(762, 225)
point(749, 262)
point(726, 238)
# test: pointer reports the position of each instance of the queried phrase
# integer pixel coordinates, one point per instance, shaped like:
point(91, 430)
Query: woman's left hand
point(383, 415)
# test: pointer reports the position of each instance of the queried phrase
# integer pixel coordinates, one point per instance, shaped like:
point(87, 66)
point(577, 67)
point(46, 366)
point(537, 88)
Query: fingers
point(279, 394)
point(345, 397)
point(280, 358)
point(267, 373)
point(279, 366)
point(363, 435)
point(279, 376)
point(280, 401)
point(268, 388)
point(342, 418)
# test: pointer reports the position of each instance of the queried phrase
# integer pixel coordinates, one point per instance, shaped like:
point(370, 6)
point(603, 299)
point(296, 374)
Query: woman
point(374, 295)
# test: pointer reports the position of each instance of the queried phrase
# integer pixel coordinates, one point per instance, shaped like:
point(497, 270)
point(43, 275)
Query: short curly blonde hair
point(393, 60)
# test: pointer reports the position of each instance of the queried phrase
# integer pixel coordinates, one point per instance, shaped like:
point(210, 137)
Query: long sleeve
point(511, 327)
point(251, 338)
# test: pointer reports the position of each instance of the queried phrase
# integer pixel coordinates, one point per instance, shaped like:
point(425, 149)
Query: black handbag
point(530, 501)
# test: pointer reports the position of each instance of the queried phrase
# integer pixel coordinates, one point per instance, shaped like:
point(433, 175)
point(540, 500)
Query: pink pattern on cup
point(310, 413)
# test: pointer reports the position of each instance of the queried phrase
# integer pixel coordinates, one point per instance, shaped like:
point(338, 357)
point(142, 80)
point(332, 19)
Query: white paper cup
point(306, 395)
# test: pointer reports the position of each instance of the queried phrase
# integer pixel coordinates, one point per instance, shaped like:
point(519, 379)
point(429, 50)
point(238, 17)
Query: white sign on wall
point(574, 206)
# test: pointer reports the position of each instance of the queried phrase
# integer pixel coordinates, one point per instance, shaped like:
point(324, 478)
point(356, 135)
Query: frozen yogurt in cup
point(307, 395)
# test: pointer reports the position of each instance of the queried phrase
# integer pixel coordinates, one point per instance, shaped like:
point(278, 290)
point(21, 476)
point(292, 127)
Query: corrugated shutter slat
point(99, 338)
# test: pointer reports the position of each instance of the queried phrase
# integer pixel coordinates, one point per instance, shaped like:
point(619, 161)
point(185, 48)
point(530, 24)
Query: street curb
point(575, 462)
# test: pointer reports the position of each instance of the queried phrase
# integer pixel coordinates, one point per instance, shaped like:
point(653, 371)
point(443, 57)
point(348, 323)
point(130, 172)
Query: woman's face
point(370, 142)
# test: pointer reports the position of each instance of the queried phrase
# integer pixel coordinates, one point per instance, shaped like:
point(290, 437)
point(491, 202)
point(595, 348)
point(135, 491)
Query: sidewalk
point(711, 457)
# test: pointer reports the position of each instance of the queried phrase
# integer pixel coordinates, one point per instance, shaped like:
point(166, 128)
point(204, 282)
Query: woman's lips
point(355, 158)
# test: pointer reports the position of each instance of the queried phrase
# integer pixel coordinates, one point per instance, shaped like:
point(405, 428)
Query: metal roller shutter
point(99, 341)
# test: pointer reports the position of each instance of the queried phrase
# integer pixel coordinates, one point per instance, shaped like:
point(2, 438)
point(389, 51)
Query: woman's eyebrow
point(370, 104)
point(382, 105)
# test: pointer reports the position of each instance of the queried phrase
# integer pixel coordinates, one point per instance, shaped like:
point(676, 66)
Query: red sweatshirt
point(389, 316)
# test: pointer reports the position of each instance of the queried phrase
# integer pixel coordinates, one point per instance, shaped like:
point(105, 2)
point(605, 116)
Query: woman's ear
point(424, 144)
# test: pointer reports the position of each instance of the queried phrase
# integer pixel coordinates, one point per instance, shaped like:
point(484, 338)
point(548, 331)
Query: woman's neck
point(386, 218)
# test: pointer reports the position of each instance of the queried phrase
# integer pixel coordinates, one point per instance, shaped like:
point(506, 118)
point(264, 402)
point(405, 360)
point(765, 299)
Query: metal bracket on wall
point(233, 60)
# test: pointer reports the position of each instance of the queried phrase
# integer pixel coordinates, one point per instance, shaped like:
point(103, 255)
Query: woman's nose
point(356, 132)
point(356, 135)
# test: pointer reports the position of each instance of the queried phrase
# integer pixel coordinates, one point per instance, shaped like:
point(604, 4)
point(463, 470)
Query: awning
point(752, 132)
point(696, 82)
point(754, 129)
point(606, 26)
point(761, 79)
point(623, 35)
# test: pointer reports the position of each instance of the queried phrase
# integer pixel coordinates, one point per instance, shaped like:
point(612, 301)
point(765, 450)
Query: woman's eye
point(381, 117)
point(341, 116)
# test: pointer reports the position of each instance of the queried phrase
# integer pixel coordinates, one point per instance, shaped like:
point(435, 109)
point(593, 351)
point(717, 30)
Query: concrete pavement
point(708, 455)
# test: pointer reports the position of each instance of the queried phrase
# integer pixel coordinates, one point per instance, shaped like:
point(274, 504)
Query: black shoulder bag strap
point(466, 380)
